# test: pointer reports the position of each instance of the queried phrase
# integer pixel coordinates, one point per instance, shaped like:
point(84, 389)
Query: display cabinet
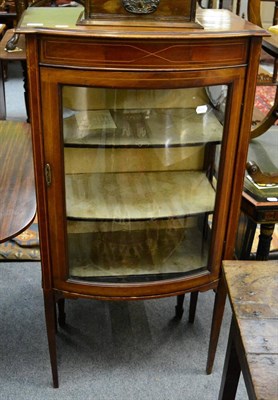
point(140, 135)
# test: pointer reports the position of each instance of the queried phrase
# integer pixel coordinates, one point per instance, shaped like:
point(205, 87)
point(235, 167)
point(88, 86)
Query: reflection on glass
point(140, 181)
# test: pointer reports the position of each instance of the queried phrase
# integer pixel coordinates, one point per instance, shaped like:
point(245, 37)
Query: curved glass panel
point(140, 181)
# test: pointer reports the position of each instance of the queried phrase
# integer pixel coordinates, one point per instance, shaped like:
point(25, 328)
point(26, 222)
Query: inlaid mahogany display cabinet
point(140, 131)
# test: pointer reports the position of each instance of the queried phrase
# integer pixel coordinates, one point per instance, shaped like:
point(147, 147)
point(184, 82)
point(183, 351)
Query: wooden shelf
point(147, 128)
point(137, 195)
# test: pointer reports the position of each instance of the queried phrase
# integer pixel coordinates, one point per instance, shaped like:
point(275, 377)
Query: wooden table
point(5, 56)
point(17, 188)
point(253, 341)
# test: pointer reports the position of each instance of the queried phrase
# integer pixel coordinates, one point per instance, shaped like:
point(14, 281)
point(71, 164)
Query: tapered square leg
point(192, 306)
point(218, 311)
point(179, 306)
point(61, 313)
point(50, 318)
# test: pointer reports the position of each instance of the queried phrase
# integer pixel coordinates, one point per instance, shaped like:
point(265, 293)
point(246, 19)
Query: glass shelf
point(138, 195)
point(144, 128)
point(127, 254)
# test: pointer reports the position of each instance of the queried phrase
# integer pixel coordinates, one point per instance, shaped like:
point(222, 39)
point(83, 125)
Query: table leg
point(26, 88)
point(265, 238)
point(232, 369)
point(2, 92)
point(248, 239)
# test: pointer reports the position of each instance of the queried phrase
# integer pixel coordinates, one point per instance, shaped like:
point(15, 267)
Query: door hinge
point(47, 172)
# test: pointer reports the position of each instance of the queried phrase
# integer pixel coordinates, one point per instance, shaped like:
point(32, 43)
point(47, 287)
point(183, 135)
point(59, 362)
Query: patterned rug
point(264, 100)
point(24, 247)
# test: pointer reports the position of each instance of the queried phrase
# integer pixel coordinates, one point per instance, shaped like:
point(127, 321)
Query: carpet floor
point(109, 350)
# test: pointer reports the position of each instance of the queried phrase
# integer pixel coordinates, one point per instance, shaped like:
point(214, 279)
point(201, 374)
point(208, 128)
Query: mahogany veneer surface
point(17, 188)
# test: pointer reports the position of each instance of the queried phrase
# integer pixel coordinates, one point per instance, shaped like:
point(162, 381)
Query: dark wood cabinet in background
point(140, 135)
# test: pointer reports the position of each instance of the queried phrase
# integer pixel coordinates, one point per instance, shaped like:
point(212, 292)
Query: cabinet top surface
point(62, 21)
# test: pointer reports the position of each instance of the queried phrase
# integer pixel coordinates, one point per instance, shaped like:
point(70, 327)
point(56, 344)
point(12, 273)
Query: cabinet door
point(141, 173)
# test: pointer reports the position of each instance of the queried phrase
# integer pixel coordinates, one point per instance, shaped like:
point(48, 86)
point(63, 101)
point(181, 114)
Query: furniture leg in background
point(263, 213)
point(19, 55)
